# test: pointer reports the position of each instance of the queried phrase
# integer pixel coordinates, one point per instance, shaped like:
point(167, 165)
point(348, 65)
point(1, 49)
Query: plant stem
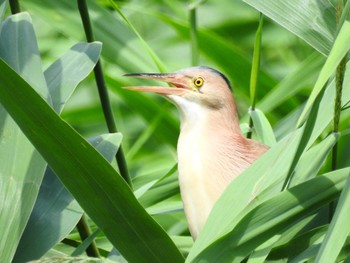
point(339, 79)
point(255, 73)
point(194, 39)
point(103, 93)
point(84, 232)
point(14, 6)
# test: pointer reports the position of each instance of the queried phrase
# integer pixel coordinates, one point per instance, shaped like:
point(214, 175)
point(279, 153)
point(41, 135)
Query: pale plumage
point(211, 149)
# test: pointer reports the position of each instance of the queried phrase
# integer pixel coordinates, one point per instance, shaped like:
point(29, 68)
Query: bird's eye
point(198, 82)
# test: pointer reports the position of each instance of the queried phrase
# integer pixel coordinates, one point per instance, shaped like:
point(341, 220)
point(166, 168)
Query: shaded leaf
point(339, 50)
point(338, 229)
point(65, 74)
point(22, 168)
point(56, 212)
point(313, 21)
point(274, 215)
point(87, 175)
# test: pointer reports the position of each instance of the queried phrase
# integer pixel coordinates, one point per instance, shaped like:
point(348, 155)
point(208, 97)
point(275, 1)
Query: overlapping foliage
point(290, 218)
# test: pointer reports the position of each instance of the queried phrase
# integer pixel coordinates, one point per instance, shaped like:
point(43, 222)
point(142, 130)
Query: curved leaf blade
point(68, 71)
point(87, 175)
point(273, 216)
point(312, 21)
point(56, 212)
point(22, 168)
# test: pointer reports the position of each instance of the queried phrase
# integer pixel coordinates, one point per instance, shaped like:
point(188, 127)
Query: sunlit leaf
point(87, 175)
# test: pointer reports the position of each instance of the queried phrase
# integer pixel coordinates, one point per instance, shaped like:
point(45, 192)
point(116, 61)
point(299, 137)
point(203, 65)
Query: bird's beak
point(179, 81)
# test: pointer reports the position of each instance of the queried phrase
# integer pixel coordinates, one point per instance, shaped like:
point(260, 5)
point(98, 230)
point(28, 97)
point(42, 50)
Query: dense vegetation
point(294, 82)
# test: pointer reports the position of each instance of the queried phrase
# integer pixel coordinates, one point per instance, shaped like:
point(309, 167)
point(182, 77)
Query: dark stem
point(254, 75)
point(84, 232)
point(14, 6)
point(339, 79)
point(103, 93)
point(194, 40)
point(251, 126)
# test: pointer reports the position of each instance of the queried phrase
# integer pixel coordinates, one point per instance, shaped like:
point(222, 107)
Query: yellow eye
point(198, 82)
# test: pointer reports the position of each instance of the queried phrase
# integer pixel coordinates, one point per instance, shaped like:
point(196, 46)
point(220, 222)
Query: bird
point(211, 148)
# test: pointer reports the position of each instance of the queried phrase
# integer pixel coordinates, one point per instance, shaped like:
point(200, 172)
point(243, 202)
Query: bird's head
point(201, 85)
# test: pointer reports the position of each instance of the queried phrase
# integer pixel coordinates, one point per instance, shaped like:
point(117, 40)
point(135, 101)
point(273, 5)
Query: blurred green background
point(290, 64)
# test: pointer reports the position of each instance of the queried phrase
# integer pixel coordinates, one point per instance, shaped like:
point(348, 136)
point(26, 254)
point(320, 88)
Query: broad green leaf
point(312, 160)
point(296, 245)
point(339, 50)
point(85, 244)
point(262, 127)
point(112, 32)
point(65, 73)
point(54, 216)
point(304, 75)
point(260, 253)
point(161, 189)
point(310, 252)
point(19, 48)
point(274, 215)
point(87, 175)
point(65, 259)
point(338, 229)
point(22, 168)
point(3, 4)
point(56, 212)
point(313, 21)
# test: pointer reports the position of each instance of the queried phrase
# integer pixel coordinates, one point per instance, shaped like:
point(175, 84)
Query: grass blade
point(338, 230)
point(87, 175)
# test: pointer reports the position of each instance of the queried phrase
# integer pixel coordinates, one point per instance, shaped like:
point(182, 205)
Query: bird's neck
point(216, 121)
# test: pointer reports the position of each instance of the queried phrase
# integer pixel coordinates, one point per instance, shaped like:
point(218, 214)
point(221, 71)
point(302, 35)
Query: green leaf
point(313, 21)
point(54, 216)
point(288, 249)
point(22, 168)
point(87, 175)
point(65, 259)
point(85, 244)
point(65, 73)
point(311, 161)
point(262, 127)
point(274, 215)
point(111, 32)
point(339, 50)
point(256, 64)
point(304, 75)
point(338, 229)
point(56, 212)
point(3, 4)
point(19, 48)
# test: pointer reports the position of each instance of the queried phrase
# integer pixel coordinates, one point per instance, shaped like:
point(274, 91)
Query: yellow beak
point(179, 81)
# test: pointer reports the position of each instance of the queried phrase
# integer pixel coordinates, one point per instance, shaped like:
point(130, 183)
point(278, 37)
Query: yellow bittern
point(211, 148)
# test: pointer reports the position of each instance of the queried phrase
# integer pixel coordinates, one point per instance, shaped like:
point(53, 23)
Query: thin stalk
point(152, 54)
point(84, 232)
point(103, 93)
point(14, 6)
point(339, 79)
point(255, 73)
point(83, 226)
point(194, 38)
